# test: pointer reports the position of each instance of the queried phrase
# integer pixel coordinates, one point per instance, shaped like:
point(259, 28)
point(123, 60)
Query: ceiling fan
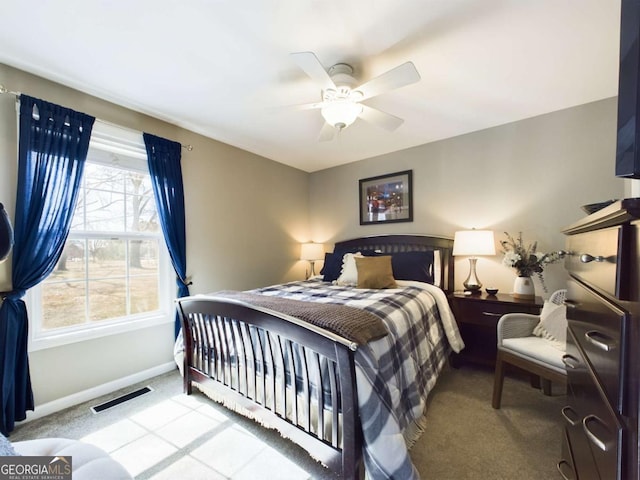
point(342, 99)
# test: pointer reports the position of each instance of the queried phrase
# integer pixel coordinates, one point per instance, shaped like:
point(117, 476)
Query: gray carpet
point(465, 438)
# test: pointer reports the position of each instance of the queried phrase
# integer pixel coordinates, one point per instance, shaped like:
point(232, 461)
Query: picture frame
point(386, 198)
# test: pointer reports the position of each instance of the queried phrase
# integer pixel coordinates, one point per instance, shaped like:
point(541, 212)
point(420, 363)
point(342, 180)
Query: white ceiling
point(222, 67)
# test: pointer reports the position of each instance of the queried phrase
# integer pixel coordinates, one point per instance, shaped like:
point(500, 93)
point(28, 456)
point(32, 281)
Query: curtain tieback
point(13, 294)
point(186, 282)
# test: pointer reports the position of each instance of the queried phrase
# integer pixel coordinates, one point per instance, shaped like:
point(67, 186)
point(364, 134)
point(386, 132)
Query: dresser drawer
point(593, 257)
point(488, 313)
point(566, 465)
point(597, 329)
point(593, 429)
point(573, 412)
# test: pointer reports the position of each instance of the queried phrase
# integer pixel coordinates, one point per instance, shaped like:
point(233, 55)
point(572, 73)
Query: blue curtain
point(163, 157)
point(53, 147)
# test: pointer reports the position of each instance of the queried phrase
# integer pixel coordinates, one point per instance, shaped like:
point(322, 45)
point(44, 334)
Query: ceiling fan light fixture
point(341, 95)
point(341, 114)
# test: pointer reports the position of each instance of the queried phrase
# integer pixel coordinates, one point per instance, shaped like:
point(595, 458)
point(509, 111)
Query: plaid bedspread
point(395, 374)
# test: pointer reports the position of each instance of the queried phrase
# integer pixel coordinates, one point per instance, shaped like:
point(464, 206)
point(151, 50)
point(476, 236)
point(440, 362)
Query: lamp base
point(472, 283)
point(313, 270)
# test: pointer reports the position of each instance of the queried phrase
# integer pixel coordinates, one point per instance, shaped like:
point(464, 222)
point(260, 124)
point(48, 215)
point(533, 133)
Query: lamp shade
point(311, 251)
point(474, 242)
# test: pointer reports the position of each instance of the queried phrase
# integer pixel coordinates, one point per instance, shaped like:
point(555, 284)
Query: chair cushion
point(536, 349)
point(553, 325)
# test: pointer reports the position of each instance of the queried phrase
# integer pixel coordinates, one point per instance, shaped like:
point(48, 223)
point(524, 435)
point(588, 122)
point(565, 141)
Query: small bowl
point(492, 291)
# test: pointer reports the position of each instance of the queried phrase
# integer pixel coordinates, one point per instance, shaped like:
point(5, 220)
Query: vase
point(523, 288)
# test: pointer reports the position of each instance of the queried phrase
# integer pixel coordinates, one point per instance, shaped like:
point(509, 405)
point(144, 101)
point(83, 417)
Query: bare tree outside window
point(110, 264)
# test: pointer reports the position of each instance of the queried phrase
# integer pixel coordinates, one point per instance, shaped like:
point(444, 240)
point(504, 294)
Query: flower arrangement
point(526, 259)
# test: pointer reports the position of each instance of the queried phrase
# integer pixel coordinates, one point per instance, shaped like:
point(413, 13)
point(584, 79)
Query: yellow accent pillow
point(375, 272)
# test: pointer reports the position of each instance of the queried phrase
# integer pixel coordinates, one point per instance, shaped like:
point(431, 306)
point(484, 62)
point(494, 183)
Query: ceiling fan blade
point(400, 76)
point(326, 133)
point(379, 118)
point(310, 64)
point(308, 106)
point(295, 107)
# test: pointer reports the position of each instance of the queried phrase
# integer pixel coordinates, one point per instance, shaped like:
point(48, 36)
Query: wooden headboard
point(409, 243)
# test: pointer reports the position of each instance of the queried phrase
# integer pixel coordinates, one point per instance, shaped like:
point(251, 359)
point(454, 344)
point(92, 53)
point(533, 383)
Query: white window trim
point(119, 140)
point(56, 338)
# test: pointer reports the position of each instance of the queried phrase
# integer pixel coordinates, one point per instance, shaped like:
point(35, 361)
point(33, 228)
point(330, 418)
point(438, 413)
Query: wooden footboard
point(284, 373)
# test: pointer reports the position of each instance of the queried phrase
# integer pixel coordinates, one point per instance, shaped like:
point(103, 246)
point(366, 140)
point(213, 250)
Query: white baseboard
point(91, 393)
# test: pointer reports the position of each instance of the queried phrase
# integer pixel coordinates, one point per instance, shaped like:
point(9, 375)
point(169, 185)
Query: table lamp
point(312, 252)
point(472, 243)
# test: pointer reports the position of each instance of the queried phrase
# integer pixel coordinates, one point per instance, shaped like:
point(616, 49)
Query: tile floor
point(185, 437)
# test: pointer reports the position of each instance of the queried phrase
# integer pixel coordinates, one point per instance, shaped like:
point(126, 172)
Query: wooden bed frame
point(231, 349)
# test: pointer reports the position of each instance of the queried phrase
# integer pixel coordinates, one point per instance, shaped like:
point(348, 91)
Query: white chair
point(517, 345)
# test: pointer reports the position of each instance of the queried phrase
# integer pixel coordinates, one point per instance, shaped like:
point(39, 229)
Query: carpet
point(465, 438)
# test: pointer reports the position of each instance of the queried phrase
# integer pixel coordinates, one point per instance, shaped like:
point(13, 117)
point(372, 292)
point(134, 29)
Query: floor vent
point(121, 399)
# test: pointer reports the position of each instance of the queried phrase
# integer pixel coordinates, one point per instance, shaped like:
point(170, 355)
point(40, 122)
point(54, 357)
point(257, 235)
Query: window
point(114, 273)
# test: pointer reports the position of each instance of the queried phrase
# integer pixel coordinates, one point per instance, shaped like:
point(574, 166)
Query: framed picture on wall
point(386, 198)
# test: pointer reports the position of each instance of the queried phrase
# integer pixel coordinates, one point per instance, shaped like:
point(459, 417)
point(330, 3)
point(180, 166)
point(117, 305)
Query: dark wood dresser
point(603, 345)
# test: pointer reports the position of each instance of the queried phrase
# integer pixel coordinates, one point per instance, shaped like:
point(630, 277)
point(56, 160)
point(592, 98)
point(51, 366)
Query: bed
point(311, 359)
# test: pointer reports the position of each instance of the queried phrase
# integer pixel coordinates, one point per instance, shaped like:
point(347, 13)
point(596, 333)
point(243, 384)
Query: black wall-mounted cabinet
point(628, 146)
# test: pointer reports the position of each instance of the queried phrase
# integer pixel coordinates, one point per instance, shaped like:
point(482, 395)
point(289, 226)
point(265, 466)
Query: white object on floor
point(88, 461)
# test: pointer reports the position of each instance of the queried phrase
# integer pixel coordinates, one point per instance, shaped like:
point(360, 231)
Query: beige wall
point(530, 176)
point(245, 218)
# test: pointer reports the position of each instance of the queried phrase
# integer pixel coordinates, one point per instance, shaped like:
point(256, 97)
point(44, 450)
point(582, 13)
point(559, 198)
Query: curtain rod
point(4, 89)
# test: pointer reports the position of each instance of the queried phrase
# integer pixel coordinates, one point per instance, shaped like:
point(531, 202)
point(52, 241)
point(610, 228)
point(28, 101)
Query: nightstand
point(477, 317)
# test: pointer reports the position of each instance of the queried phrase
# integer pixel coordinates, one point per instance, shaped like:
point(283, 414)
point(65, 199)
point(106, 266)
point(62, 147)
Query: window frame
point(131, 144)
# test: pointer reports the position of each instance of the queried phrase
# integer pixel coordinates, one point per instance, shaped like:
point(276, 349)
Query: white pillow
point(349, 273)
point(553, 324)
